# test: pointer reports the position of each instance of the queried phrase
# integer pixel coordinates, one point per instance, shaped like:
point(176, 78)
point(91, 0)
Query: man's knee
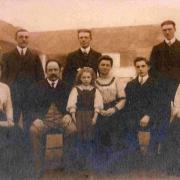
point(36, 127)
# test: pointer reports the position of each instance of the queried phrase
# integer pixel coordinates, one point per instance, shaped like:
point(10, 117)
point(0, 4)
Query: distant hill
point(129, 41)
point(104, 39)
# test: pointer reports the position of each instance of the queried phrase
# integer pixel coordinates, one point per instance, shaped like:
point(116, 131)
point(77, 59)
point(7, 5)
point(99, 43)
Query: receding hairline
point(20, 30)
point(168, 22)
point(52, 60)
point(84, 31)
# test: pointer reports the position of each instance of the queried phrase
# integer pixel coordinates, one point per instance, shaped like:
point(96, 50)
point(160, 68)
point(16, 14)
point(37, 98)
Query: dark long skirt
point(171, 149)
point(14, 163)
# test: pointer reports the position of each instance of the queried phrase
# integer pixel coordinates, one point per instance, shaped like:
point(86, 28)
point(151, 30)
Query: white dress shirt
point(20, 50)
point(170, 42)
point(143, 79)
point(53, 82)
point(85, 50)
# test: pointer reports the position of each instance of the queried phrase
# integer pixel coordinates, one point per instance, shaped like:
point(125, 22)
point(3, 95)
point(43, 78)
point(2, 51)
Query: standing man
point(21, 69)
point(165, 60)
point(83, 57)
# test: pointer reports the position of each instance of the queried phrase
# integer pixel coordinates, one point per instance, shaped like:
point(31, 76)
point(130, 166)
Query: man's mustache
point(53, 75)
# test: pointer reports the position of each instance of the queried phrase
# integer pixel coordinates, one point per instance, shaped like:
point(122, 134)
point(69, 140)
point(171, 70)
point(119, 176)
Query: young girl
point(84, 103)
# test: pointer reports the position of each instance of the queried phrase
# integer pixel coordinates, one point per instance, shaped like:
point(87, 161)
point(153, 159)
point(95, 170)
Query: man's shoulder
point(159, 45)
point(8, 54)
point(39, 84)
point(63, 85)
point(73, 53)
point(177, 43)
point(132, 82)
point(95, 52)
point(32, 52)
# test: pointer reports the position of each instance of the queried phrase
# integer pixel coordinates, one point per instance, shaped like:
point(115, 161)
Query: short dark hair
point(85, 30)
point(106, 58)
point(168, 22)
point(137, 59)
point(20, 30)
point(52, 60)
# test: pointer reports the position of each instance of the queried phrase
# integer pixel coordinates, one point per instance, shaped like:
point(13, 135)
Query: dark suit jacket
point(41, 95)
point(20, 72)
point(141, 100)
point(165, 60)
point(77, 60)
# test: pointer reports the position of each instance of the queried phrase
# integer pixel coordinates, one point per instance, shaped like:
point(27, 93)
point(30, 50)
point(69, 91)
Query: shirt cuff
point(97, 110)
point(72, 110)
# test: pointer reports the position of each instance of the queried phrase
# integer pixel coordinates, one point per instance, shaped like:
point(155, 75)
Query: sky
point(43, 15)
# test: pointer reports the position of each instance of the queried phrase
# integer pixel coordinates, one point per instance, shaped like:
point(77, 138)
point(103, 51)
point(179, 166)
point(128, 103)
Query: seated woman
point(171, 149)
point(110, 127)
point(11, 140)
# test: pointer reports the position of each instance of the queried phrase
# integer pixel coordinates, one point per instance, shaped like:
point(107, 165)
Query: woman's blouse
point(73, 97)
point(177, 99)
point(111, 89)
point(5, 102)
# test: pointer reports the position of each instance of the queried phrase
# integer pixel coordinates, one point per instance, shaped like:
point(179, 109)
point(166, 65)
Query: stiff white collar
point(143, 79)
point(85, 50)
point(20, 50)
point(55, 82)
point(170, 41)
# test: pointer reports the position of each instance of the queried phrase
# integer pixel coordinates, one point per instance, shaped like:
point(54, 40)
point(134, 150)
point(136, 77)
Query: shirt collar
point(20, 50)
point(172, 40)
point(55, 82)
point(85, 49)
point(144, 78)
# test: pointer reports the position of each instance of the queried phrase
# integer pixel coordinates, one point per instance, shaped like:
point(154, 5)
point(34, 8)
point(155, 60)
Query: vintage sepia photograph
point(89, 89)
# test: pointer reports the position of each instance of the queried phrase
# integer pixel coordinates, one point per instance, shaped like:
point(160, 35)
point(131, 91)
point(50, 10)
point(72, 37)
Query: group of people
point(104, 120)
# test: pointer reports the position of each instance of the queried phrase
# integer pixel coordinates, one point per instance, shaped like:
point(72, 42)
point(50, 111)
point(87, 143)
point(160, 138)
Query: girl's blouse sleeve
point(8, 106)
point(72, 101)
point(120, 86)
point(98, 101)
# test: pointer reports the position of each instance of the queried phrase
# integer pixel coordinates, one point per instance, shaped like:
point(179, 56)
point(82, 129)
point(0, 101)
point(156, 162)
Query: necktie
point(85, 53)
point(52, 85)
point(169, 43)
point(22, 53)
point(141, 80)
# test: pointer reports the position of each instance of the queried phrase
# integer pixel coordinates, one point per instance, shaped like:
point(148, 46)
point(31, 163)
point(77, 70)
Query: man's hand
point(10, 123)
point(144, 121)
point(94, 120)
point(73, 117)
point(38, 123)
point(67, 119)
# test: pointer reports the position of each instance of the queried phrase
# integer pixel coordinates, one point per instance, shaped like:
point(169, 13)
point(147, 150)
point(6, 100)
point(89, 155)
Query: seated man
point(141, 107)
point(48, 99)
